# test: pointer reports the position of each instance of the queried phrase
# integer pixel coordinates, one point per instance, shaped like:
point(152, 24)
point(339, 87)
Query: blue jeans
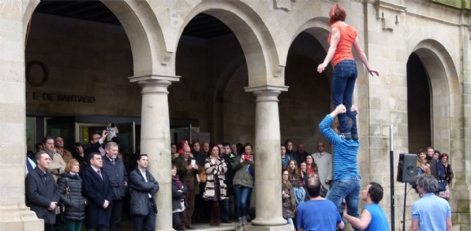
point(242, 194)
point(343, 84)
point(348, 189)
point(148, 221)
point(289, 221)
point(224, 206)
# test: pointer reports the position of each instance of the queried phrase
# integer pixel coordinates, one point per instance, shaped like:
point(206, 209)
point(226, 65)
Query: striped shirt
point(345, 151)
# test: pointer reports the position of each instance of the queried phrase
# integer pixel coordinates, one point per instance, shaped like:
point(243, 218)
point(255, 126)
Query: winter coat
point(188, 177)
point(178, 196)
point(289, 204)
point(215, 172)
point(40, 192)
point(140, 190)
point(70, 189)
point(118, 176)
point(96, 190)
point(242, 177)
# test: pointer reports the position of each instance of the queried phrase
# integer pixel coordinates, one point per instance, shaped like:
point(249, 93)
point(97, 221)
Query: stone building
point(242, 71)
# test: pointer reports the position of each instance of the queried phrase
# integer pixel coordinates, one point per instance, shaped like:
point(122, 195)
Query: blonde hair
point(70, 164)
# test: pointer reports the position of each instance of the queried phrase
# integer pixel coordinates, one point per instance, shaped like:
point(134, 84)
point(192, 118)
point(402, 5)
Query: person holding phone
point(215, 189)
point(243, 182)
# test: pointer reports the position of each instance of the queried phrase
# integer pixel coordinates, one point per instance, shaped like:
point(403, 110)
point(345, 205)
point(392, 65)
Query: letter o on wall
point(44, 77)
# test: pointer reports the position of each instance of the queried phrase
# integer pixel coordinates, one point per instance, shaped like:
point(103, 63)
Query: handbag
point(441, 185)
point(203, 176)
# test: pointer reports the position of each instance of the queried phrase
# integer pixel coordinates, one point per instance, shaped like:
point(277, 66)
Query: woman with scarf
point(179, 191)
point(215, 189)
point(69, 186)
point(288, 201)
point(447, 175)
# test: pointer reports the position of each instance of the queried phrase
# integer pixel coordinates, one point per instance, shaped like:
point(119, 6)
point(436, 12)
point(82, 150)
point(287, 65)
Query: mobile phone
point(193, 162)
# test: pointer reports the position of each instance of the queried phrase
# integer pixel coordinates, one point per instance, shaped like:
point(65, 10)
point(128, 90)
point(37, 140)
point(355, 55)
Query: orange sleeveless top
point(348, 35)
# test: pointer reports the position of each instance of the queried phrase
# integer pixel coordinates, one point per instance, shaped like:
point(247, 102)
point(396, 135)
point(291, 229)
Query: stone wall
point(86, 61)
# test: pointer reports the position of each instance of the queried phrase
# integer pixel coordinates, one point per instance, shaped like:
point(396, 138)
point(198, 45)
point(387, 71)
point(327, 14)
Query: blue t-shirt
point(431, 211)
point(345, 151)
point(318, 215)
point(379, 221)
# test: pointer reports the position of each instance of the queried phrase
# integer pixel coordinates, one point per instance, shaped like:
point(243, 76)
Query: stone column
point(14, 215)
point(267, 159)
point(155, 140)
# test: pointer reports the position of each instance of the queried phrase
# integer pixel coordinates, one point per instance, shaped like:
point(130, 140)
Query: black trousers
point(99, 228)
point(177, 220)
point(116, 213)
point(48, 227)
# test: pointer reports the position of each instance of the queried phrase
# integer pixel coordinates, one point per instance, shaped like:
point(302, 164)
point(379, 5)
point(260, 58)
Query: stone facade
point(276, 44)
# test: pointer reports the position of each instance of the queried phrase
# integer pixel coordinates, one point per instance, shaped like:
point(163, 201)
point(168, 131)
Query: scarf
point(176, 180)
point(288, 190)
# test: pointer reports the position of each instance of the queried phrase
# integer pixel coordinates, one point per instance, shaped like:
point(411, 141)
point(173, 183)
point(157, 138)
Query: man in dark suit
point(40, 191)
point(114, 166)
point(97, 190)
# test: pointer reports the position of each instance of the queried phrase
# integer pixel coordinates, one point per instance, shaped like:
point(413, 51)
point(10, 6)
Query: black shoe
point(355, 137)
point(347, 136)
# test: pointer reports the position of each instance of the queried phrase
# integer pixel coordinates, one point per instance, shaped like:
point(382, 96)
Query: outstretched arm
point(360, 223)
point(363, 58)
point(334, 41)
point(325, 128)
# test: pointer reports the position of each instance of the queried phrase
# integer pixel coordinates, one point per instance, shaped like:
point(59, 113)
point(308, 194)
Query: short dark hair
point(313, 187)
point(92, 154)
point(287, 141)
point(78, 144)
point(282, 145)
point(38, 145)
point(141, 155)
point(172, 144)
point(225, 144)
point(422, 151)
point(38, 155)
point(46, 138)
point(376, 192)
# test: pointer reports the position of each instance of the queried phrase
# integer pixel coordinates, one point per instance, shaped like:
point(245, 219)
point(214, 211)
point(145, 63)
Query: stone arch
point(137, 18)
point(444, 88)
point(253, 35)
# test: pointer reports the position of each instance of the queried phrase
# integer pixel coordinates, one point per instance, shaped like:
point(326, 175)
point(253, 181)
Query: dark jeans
point(343, 84)
point(242, 194)
point(224, 206)
point(116, 213)
point(147, 221)
point(348, 189)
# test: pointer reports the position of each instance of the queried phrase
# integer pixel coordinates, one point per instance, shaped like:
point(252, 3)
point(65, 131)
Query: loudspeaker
point(406, 168)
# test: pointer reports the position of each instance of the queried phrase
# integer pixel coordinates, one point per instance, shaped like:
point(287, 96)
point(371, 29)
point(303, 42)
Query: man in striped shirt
point(346, 184)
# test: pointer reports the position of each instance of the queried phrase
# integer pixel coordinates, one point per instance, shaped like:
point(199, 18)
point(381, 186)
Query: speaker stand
point(404, 207)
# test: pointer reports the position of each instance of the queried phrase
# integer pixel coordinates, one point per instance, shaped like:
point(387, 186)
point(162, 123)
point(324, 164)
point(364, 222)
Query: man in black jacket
point(40, 191)
point(433, 162)
point(97, 144)
point(143, 186)
point(114, 166)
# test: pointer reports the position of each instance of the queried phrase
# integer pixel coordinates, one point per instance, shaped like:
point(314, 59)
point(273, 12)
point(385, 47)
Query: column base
point(269, 228)
point(19, 219)
point(269, 222)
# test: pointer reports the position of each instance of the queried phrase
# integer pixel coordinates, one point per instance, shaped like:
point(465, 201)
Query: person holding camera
point(243, 182)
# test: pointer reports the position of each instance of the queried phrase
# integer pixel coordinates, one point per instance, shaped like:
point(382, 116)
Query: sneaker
point(240, 223)
point(347, 136)
point(244, 221)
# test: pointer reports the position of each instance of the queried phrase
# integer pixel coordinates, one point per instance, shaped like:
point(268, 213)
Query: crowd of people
point(215, 182)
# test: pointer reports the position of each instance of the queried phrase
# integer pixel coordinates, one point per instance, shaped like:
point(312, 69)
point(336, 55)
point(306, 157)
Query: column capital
point(154, 78)
point(267, 89)
point(266, 93)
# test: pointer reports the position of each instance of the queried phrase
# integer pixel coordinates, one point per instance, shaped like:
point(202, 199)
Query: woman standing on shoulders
point(215, 189)
point(244, 169)
point(341, 39)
